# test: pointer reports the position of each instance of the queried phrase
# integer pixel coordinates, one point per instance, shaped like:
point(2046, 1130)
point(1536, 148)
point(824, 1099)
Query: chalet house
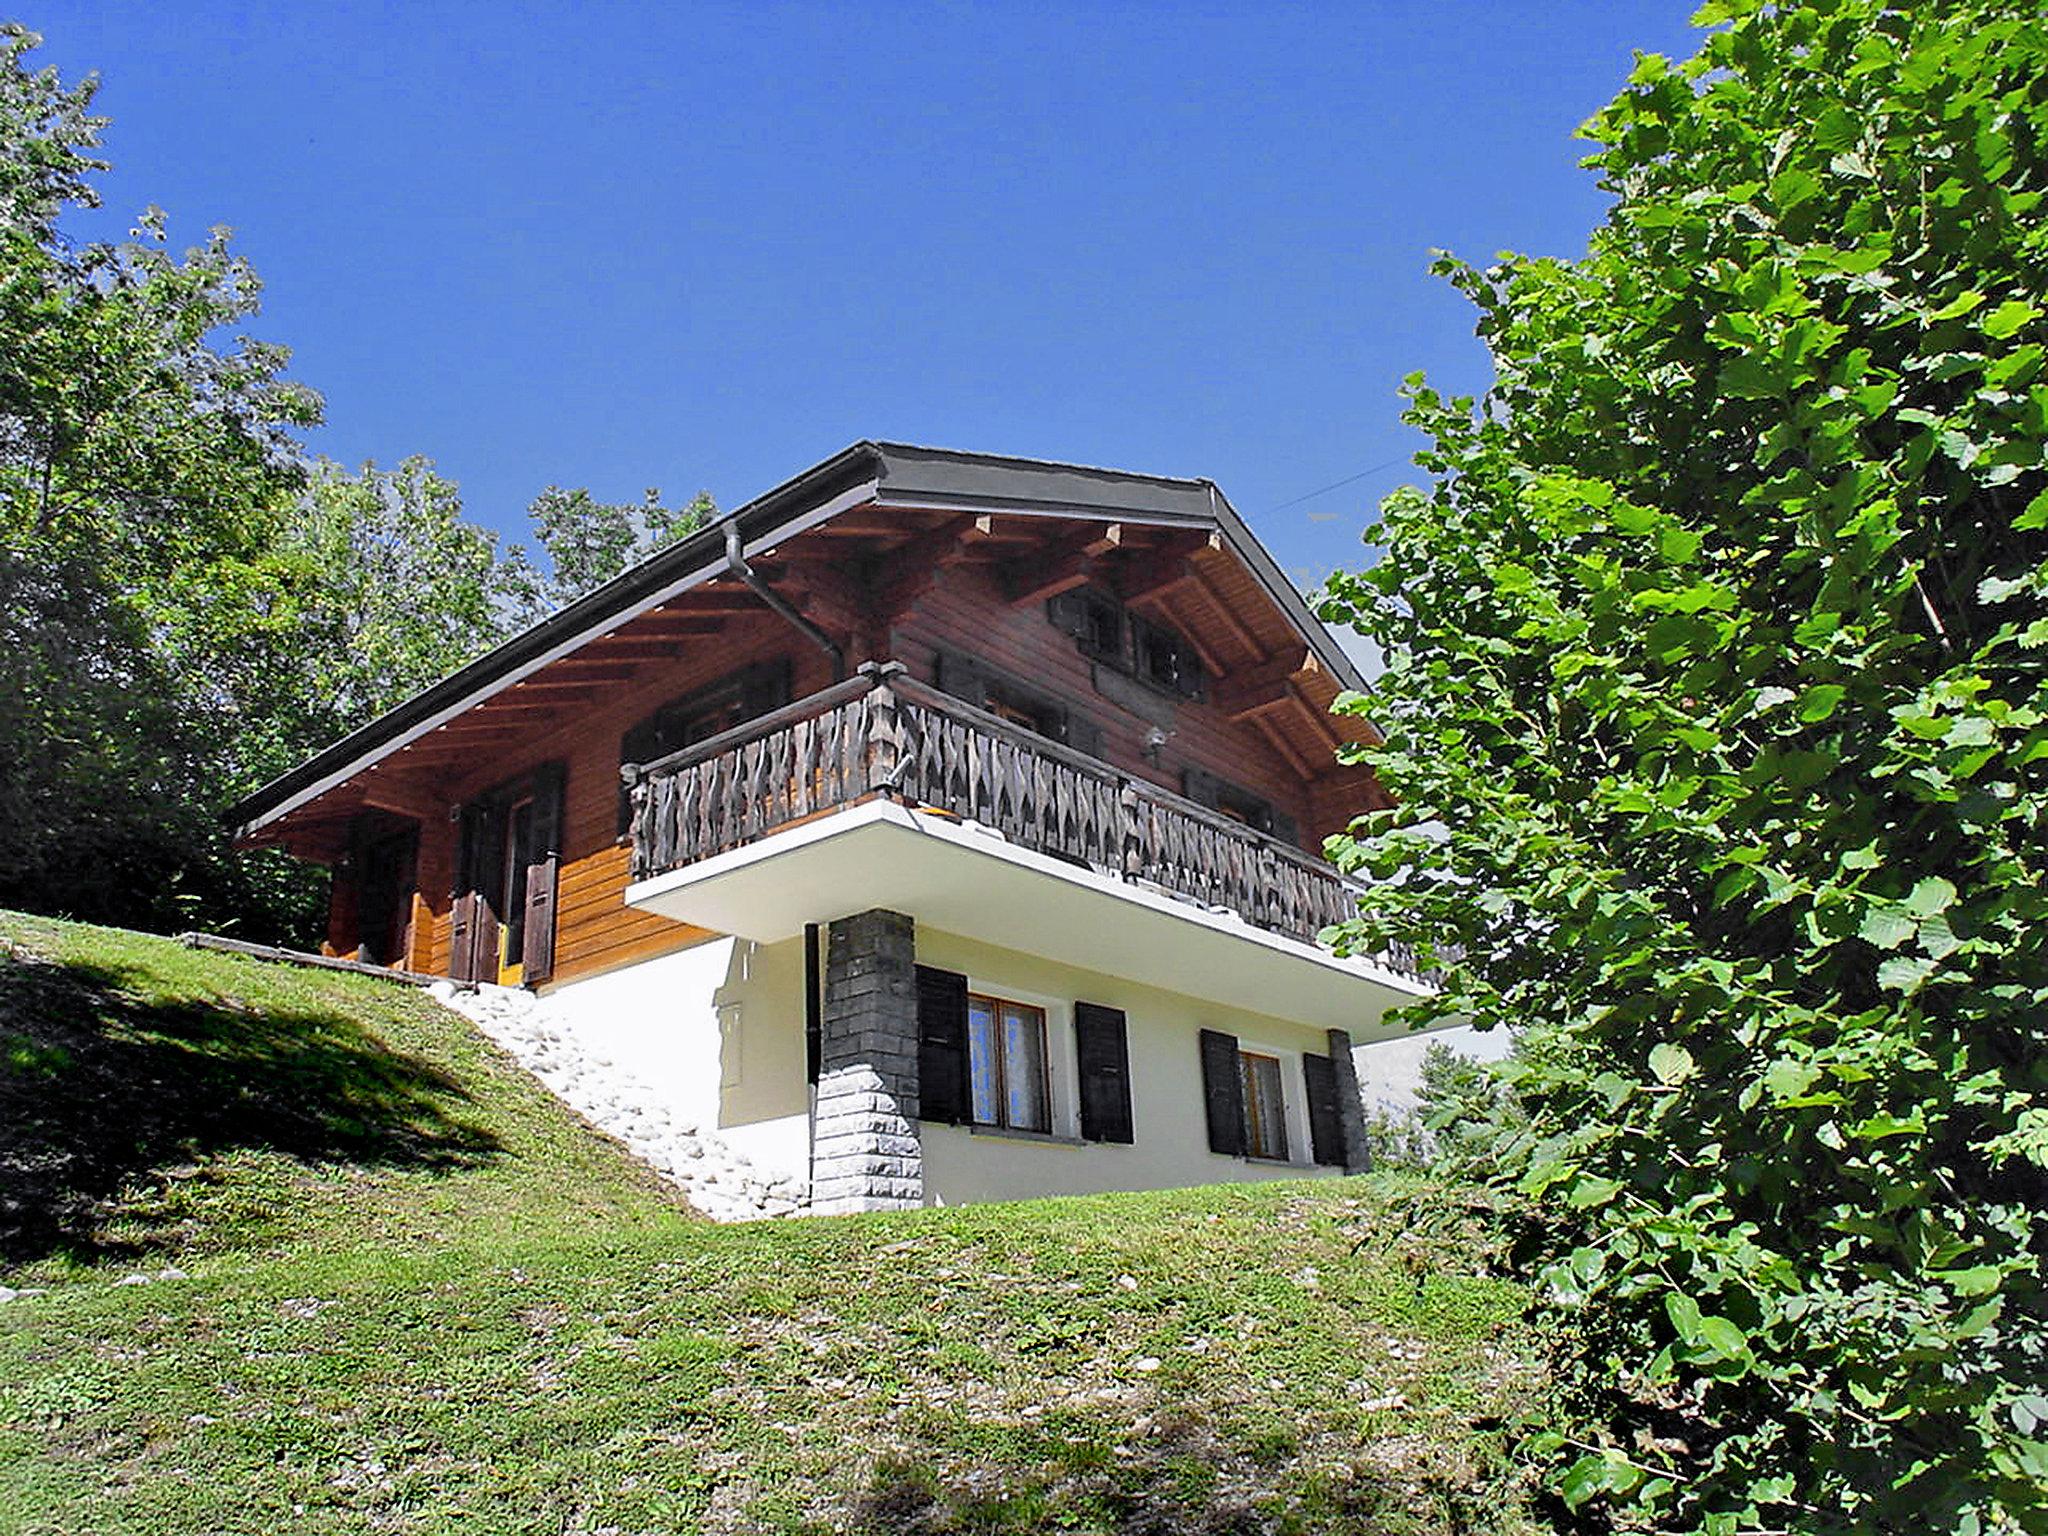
point(938, 826)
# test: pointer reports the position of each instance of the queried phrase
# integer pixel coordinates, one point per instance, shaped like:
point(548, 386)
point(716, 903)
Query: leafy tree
point(1463, 1114)
point(139, 455)
point(588, 542)
point(1717, 716)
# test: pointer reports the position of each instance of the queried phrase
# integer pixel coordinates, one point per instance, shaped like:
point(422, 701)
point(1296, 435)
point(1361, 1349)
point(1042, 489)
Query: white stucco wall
point(1171, 1146)
point(716, 1032)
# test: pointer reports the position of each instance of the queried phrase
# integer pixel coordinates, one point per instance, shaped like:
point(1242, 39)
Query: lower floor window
point(1265, 1114)
point(1006, 1064)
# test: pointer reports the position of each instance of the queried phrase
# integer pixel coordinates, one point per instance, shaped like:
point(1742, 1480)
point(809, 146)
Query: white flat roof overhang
point(967, 880)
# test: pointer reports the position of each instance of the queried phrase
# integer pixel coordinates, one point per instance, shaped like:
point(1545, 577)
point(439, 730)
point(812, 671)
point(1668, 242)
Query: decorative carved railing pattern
point(881, 732)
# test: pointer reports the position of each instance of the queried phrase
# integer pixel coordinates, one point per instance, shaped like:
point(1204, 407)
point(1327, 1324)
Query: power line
point(1371, 469)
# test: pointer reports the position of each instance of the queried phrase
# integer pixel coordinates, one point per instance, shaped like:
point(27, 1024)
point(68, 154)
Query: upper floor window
point(1164, 659)
point(1238, 803)
point(1095, 619)
point(967, 678)
point(733, 700)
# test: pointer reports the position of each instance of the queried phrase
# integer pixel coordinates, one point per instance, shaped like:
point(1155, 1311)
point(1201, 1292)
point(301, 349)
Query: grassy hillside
point(390, 1286)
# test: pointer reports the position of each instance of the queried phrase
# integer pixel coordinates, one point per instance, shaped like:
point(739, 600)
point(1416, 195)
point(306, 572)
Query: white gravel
point(712, 1175)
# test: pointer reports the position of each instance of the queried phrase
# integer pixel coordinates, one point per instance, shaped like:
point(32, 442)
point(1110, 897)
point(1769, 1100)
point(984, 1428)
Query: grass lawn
point(392, 1286)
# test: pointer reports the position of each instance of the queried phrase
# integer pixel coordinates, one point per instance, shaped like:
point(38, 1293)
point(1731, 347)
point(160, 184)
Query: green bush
point(1716, 715)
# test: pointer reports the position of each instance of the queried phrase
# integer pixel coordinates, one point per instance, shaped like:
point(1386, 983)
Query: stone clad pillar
point(1350, 1106)
point(865, 1152)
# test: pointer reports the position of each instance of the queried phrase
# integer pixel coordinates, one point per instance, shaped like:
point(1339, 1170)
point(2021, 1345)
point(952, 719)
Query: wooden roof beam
point(1273, 733)
point(1164, 567)
point(620, 647)
point(1063, 564)
point(589, 670)
point(916, 565)
point(1242, 690)
point(1319, 718)
point(1239, 632)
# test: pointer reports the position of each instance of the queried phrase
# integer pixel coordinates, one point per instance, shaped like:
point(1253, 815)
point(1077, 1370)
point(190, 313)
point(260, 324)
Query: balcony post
point(866, 1154)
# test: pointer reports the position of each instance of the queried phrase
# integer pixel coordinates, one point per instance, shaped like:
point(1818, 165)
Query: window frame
point(1251, 1090)
point(996, 1005)
point(1190, 680)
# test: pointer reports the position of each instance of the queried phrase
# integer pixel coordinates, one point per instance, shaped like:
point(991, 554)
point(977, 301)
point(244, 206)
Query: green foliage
point(140, 458)
point(588, 541)
point(1464, 1112)
point(187, 606)
point(1715, 708)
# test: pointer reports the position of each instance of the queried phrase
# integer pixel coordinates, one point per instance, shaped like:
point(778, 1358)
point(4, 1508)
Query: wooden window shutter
point(543, 873)
point(1222, 1092)
point(1083, 734)
point(468, 913)
point(942, 1045)
point(1202, 788)
point(1068, 612)
point(962, 677)
point(1103, 1045)
point(1325, 1127)
point(764, 686)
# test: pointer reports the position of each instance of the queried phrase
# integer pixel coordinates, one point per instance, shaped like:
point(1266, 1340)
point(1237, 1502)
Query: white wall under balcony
point(968, 880)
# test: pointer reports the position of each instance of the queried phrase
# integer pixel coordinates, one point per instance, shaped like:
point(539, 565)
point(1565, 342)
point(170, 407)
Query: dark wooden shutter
point(1202, 788)
point(1283, 827)
point(467, 910)
point(962, 677)
point(1103, 1046)
point(1069, 612)
point(543, 872)
point(1325, 1129)
point(764, 686)
point(1222, 1092)
point(942, 1089)
point(1083, 734)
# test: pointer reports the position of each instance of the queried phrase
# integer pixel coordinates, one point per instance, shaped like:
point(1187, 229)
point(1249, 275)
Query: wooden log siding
point(882, 731)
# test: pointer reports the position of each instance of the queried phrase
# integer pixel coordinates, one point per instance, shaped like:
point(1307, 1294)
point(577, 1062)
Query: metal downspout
point(736, 562)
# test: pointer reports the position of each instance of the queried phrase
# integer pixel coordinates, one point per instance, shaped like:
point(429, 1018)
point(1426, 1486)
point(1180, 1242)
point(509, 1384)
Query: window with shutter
point(1222, 1092)
point(508, 857)
point(1095, 620)
point(1102, 1047)
point(1163, 659)
point(1017, 702)
point(1245, 1100)
point(733, 700)
point(1325, 1128)
point(1234, 801)
point(942, 1045)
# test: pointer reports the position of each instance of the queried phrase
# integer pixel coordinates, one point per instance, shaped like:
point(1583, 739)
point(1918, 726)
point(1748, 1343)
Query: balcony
point(920, 760)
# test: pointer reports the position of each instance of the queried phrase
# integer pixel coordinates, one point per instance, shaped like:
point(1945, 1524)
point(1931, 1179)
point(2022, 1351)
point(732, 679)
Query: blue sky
point(702, 247)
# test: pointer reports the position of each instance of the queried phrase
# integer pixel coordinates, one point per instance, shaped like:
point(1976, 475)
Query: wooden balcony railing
point(882, 732)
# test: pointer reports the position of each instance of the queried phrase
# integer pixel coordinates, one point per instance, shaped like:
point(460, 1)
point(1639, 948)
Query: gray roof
point(888, 474)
